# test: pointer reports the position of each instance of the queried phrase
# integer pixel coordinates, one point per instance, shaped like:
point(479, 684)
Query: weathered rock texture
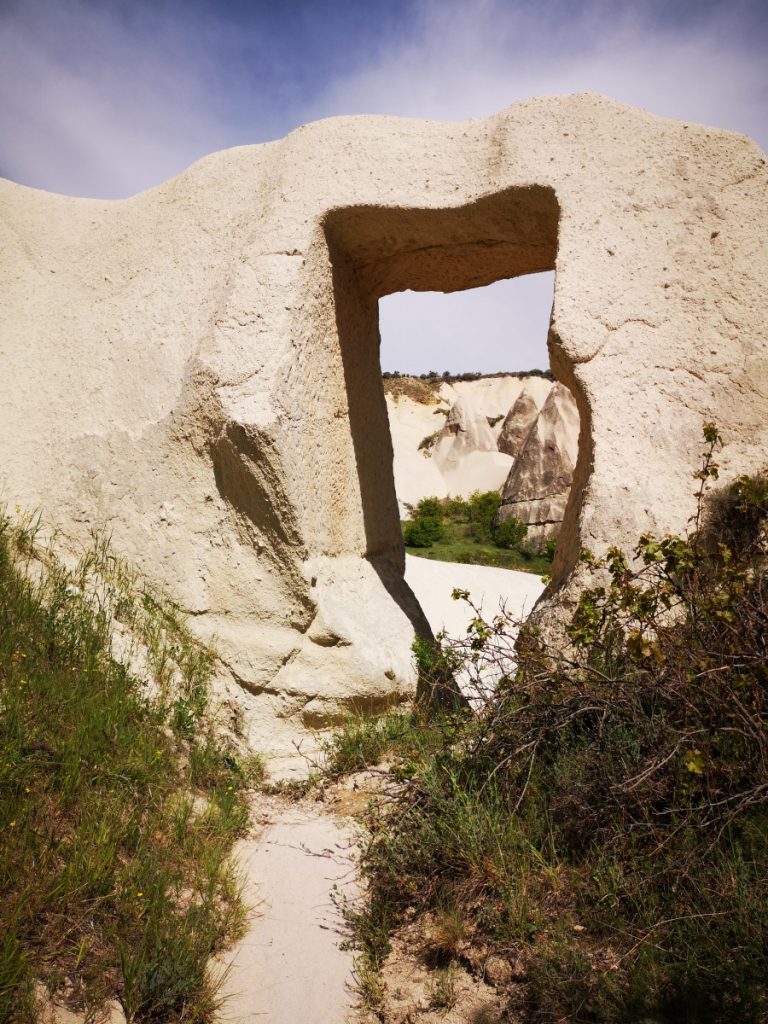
point(465, 430)
point(450, 466)
point(517, 424)
point(466, 453)
point(539, 484)
point(196, 368)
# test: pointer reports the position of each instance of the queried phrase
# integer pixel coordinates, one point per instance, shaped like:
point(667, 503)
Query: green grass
point(401, 737)
point(119, 806)
point(456, 546)
point(610, 931)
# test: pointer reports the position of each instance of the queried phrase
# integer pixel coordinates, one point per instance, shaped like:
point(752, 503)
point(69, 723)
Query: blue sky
point(106, 99)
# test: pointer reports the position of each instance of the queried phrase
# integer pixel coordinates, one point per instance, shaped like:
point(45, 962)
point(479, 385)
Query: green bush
point(483, 508)
point(456, 510)
point(549, 547)
point(426, 527)
point(509, 533)
point(430, 508)
point(423, 532)
point(467, 531)
point(603, 818)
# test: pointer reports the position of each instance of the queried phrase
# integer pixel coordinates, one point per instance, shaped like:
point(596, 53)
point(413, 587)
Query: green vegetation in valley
point(467, 531)
point(601, 820)
point(120, 805)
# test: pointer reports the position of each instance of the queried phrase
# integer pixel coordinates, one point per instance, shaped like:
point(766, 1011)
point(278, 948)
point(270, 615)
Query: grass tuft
point(119, 804)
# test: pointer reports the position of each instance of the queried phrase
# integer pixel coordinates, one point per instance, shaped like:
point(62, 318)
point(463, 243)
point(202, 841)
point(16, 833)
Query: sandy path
point(288, 969)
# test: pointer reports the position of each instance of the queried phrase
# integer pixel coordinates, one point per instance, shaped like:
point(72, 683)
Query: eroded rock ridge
point(196, 368)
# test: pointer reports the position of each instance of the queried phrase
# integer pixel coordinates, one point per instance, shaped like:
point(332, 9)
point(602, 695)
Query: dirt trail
point(288, 969)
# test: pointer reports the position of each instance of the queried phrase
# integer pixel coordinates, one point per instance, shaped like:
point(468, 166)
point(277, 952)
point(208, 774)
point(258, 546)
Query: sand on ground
point(288, 968)
point(492, 591)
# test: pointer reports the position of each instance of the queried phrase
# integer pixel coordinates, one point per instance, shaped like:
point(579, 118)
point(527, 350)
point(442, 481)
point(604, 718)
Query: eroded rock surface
point(517, 423)
point(465, 430)
point(457, 462)
point(466, 453)
point(537, 488)
point(196, 368)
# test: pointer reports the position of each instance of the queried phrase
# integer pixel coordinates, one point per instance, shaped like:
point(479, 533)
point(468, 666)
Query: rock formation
point(517, 423)
point(465, 430)
point(450, 465)
point(197, 368)
point(537, 488)
point(466, 452)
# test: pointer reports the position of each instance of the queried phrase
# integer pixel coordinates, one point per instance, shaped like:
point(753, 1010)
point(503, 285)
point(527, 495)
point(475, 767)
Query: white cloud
point(472, 58)
point(94, 105)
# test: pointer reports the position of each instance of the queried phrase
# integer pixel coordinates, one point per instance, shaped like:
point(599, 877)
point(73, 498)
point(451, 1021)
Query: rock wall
point(196, 368)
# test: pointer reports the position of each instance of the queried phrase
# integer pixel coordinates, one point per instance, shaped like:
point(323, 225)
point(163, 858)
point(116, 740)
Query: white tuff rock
point(197, 367)
point(468, 469)
point(537, 488)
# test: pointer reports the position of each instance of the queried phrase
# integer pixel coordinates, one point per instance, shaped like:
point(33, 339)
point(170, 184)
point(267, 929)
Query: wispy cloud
point(469, 59)
point(474, 57)
point(94, 105)
point(106, 99)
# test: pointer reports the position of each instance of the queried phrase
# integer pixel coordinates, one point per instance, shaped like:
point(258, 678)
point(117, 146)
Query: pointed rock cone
point(465, 430)
point(536, 490)
point(517, 424)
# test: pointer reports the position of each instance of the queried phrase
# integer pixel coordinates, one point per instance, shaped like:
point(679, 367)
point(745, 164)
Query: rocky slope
point(441, 434)
point(515, 434)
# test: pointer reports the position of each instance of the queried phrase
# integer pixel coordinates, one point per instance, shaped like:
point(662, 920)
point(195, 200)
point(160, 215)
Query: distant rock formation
point(442, 436)
point(529, 457)
point(465, 430)
point(517, 423)
point(537, 488)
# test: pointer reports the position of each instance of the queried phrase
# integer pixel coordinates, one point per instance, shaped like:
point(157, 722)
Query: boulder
point(537, 488)
point(517, 423)
point(196, 368)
